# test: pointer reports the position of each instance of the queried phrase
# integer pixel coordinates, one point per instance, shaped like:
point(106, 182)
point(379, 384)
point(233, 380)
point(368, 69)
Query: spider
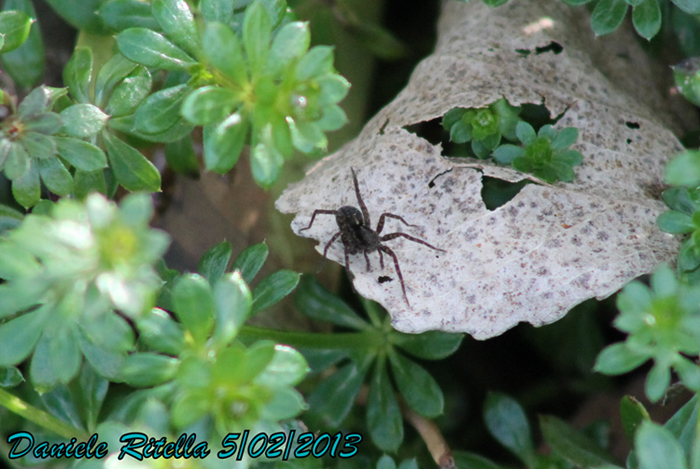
point(358, 236)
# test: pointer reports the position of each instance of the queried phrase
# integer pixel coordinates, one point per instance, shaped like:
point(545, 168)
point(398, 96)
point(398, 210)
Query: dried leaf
point(551, 246)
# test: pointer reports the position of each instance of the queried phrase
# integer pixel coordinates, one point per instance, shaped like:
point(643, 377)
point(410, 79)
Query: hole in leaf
point(497, 192)
point(384, 279)
point(432, 131)
point(551, 47)
point(523, 52)
point(629, 140)
point(632, 125)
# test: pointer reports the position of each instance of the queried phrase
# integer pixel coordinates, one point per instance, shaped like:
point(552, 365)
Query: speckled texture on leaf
point(552, 246)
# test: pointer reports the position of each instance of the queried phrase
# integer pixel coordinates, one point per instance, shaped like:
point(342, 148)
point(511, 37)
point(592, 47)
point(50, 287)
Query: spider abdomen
point(354, 233)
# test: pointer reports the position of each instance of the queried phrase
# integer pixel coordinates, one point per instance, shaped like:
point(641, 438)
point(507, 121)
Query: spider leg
point(381, 259)
point(367, 259)
point(409, 237)
point(380, 225)
point(347, 262)
point(398, 270)
point(363, 207)
point(325, 251)
point(316, 212)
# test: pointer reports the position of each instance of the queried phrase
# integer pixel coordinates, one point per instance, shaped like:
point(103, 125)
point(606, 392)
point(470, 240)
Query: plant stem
point(371, 338)
point(39, 417)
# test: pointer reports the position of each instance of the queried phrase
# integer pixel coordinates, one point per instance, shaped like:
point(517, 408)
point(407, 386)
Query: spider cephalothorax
point(358, 236)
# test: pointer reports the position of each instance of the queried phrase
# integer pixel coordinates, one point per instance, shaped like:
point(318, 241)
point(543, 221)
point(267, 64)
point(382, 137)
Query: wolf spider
point(358, 236)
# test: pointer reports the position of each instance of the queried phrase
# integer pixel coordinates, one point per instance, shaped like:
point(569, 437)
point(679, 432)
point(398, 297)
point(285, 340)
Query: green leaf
point(684, 169)
point(77, 73)
point(333, 397)
point(383, 415)
point(81, 14)
point(689, 373)
point(321, 305)
point(82, 155)
point(148, 369)
point(217, 10)
point(83, 120)
point(10, 377)
point(505, 154)
point(608, 16)
point(316, 62)
point(35, 103)
point(56, 359)
point(17, 263)
point(420, 391)
point(333, 89)
point(181, 157)
point(688, 6)
point(223, 49)
point(632, 414)
point(111, 73)
point(38, 146)
point(233, 305)
point(177, 21)
point(618, 359)
point(86, 182)
point(47, 124)
point(14, 28)
point(209, 104)
point(256, 37)
point(152, 49)
point(92, 390)
point(657, 382)
point(161, 110)
point(25, 64)
point(126, 124)
point(107, 363)
point(250, 261)
point(526, 134)
point(130, 93)
point(266, 164)
point(571, 444)
point(9, 218)
point(213, 263)
point(122, 14)
point(333, 118)
point(284, 404)
point(507, 422)
point(385, 462)
point(223, 143)
point(27, 189)
point(465, 460)
point(160, 333)
point(656, 447)
point(431, 345)
point(682, 424)
point(291, 42)
point(19, 336)
point(564, 138)
point(56, 177)
point(130, 167)
point(647, 18)
point(194, 306)
point(273, 288)
point(17, 163)
point(287, 368)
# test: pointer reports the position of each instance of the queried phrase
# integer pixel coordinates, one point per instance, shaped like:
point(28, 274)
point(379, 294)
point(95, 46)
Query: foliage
point(544, 154)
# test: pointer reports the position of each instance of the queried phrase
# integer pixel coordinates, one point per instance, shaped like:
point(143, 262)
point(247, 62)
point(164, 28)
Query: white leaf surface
point(551, 246)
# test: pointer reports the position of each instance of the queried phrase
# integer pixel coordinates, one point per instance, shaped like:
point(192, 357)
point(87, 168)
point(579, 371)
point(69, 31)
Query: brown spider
point(358, 236)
